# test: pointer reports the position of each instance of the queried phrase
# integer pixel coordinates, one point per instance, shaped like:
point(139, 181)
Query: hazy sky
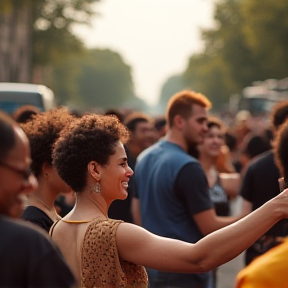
point(154, 37)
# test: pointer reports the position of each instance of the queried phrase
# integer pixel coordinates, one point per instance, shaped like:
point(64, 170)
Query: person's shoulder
point(23, 229)
point(20, 227)
point(31, 211)
point(104, 222)
point(149, 150)
point(262, 159)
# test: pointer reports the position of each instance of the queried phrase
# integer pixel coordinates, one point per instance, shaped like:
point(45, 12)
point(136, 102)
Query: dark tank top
point(219, 199)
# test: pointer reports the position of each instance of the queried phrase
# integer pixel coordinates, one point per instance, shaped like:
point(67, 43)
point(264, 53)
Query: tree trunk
point(15, 45)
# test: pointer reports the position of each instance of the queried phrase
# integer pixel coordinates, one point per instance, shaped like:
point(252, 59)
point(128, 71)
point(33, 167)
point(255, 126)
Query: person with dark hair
point(25, 113)
point(231, 142)
point(172, 197)
point(254, 144)
point(270, 269)
point(115, 112)
point(105, 252)
point(160, 127)
point(221, 186)
point(260, 184)
point(28, 258)
point(141, 131)
point(42, 131)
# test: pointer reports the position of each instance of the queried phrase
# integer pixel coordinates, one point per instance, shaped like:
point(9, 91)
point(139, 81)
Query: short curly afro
point(90, 138)
point(42, 131)
point(281, 151)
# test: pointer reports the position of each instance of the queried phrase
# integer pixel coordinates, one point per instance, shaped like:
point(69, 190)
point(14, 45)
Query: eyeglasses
point(26, 173)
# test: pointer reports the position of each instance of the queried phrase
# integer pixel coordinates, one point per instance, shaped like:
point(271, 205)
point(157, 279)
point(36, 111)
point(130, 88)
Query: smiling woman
point(99, 174)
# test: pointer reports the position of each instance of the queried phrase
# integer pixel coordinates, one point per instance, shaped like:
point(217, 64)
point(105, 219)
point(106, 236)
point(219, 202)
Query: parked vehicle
point(15, 95)
point(259, 98)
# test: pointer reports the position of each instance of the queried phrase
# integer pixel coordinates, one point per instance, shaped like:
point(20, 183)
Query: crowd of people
point(128, 200)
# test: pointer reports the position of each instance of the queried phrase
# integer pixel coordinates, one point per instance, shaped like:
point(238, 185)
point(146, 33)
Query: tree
point(38, 32)
point(15, 45)
point(265, 29)
point(96, 78)
point(248, 43)
point(171, 86)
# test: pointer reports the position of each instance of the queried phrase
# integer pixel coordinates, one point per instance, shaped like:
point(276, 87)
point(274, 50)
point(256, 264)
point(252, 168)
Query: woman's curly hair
point(90, 138)
point(42, 131)
point(281, 151)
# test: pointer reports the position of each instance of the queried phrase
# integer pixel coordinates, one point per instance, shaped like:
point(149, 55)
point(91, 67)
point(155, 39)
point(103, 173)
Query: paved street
point(226, 273)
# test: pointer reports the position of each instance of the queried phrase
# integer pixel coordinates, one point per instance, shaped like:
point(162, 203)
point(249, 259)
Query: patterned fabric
point(101, 265)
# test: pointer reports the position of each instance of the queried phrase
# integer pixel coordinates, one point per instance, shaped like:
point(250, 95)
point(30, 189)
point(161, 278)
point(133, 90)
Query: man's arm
point(207, 221)
point(246, 206)
point(135, 209)
point(246, 191)
point(192, 187)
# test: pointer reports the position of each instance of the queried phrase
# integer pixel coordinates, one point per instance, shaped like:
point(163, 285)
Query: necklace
point(104, 213)
point(41, 201)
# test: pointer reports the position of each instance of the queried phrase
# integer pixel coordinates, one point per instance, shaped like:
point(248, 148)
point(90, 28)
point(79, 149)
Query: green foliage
point(205, 75)
point(172, 85)
point(96, 78)
point(52, 21)
point(248, 42)
point(266, 33)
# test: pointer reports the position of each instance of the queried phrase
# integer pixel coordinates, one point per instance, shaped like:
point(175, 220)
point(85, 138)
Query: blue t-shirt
point(172, 187)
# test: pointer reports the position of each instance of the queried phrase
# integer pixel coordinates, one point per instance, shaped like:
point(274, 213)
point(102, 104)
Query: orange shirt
point(269, 270)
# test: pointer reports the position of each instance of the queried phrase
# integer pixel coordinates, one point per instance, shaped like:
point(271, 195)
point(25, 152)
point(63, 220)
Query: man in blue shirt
point(172, 197)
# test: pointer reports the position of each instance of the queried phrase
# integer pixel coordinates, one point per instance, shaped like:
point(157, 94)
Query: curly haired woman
point(42, 131)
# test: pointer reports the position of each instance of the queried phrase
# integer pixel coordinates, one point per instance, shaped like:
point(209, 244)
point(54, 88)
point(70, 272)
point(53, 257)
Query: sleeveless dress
point(100, 262)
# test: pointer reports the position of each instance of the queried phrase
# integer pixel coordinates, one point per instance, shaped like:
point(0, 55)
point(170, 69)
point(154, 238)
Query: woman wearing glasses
point(42, 131)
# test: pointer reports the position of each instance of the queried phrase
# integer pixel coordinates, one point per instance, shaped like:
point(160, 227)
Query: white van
point(15, 95)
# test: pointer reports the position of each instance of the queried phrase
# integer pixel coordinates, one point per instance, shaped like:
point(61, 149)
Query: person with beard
point(28, 257)
point(141, 131)
point(172, 198)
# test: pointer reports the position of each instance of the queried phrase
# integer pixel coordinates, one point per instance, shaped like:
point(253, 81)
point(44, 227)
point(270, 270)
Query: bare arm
point(230, 182)
point(207, 221)
point(246, 206)
point(137, 245)
point(135, 210)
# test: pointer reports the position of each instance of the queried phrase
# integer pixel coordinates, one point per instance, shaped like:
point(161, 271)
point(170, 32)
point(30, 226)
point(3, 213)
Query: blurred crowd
point(181, 175)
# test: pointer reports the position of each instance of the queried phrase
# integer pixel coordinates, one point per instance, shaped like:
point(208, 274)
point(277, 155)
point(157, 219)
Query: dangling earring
point(96, 188)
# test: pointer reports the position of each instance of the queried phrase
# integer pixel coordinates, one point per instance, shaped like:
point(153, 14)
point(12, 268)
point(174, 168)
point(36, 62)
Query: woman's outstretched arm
point(139, 246)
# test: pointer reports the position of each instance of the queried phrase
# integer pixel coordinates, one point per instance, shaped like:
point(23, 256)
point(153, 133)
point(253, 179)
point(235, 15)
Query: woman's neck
point(88, 206)
point(44, 198)
point(44, 195)
point(206, 162)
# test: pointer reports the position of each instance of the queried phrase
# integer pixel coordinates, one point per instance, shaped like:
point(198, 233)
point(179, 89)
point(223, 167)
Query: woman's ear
point(95, 170)
point(46, 168)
